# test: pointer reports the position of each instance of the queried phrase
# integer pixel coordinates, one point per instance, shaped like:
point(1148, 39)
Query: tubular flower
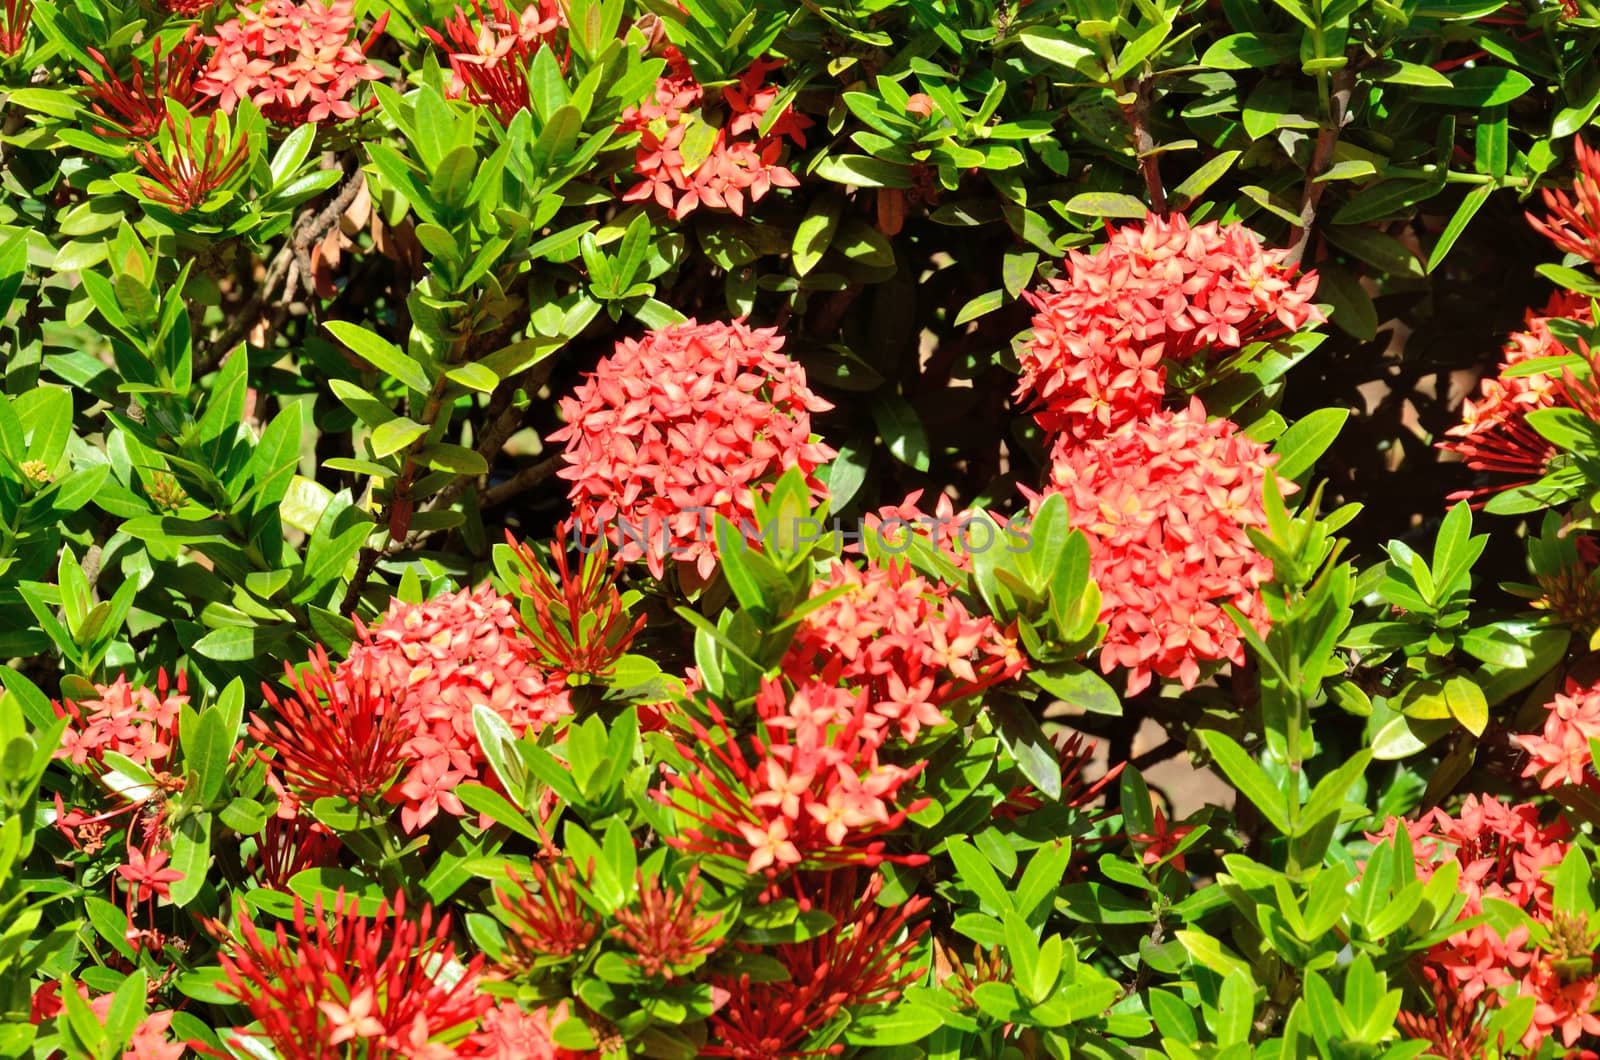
point(547, 919)
point(579, 623)
point(1165, 503)
point(1159, 290)
point(186, 169)
point(1074, 752)
point(1455, 1030)
point(1502, 852)
point(861, 961)
point(1494, 435)
point(338, 735)
point(909, 643)
point(489, 64)
point(683, 425)
point(442, 658)
point(14, 28)
point(1560, 754)
point(287, 845)
point(1573, 223)
point(809, 792)
point(667, 934)
point(685, 160)
point(510, 1033)
point(297, 62)
point(137, 722)
point(137, 108)
point(187, 8)
point(384, 979)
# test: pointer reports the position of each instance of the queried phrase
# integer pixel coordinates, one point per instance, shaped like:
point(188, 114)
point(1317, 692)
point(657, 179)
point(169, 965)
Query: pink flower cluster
point(1165, 502)
point(693, 419)
point(1560, 753)
point(907, 642)
point(150, 1039)
point(1159, 290)
point(810, 790)
point(138, 722)
point(685, 160)
point(488, 65)
point(1504, 853)
point(451, 654)
point(297, 62)
point(1493, 434)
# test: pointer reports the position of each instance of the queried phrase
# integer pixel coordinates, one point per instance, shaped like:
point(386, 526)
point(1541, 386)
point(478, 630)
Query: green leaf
point(1106, 204)
point(397, 434)
point(382, 354)
point(1064, 48)
point(815, 234)
point(191, 855)
point(1251, 780)
point(1302, 445)
point(239, 643)
point(1197, 183)
point(1459, 220)
point(1027, 744)
point(1481, 86)
point(902, 430)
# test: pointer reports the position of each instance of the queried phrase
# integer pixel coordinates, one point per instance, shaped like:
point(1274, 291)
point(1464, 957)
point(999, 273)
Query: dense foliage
point(673, 528)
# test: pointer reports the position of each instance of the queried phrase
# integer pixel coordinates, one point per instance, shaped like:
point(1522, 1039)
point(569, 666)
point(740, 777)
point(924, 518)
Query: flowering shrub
point(621, 528)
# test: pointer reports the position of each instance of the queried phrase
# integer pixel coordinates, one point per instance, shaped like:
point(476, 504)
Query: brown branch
point(1137, 113)
point(1321, 156)
point(521, 482)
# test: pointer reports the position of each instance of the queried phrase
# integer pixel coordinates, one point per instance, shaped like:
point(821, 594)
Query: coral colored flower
point(1455, 1030)
point(687, 423)
point(290, 845)
point(339, 735)
point(186, 168)
point(1560, 754)
point(489, 64)
point(1493, 435)
point(510, 1033)
point(1158, 290)
point(808, 790)
point(1165, 503)
point(150, 1041)
point(14, 27)
point(544, 914)
point(189, 8)
point(1573, 224)
point(147, 875)
point(579, 624)
point(297, 62)
point(1161, 840)
point(137, 108)
point(908, 642)
point(1564, 1006)
point(441, 659)
point(383, 979)
point(666, 932)
point(956, 536)
point(140, 723)
point(862, 961)
point(687, 158)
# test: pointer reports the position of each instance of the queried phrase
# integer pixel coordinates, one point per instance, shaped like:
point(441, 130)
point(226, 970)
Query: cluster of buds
point(489, 62)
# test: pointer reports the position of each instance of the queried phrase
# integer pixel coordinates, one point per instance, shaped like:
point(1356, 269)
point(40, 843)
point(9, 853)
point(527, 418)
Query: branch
point(1321, 155)
point(521, 482)
point(1138, 115)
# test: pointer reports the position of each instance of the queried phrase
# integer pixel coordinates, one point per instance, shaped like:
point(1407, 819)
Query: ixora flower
point(1161, 290)
point(1165, 503)
point(1494, 435)
point(809, 791)
point(488, 64)
point(1503, 852)
point(862, 961)
point(139, 722)
point(686, 423)
point(297, 62)
point(384, 980)
point(137, 108)
point(18, 15)
point(443, 658)
point(1573, 224)
point(512, 1033)
point(187, 167)
point(684, 160)
point(1560, 753)
point(908, 642)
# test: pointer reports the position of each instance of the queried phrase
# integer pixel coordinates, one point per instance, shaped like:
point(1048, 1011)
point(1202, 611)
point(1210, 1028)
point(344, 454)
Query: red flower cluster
point(191, 168)
point(862, 960)
point(489, 64)
point(1574, 221)
point(137, 108)
point(666, 932)
point(510, 1033)
point(383, 981)
point(442, 658)
point(14, 26)
point(1560, 754)
point(685, 160)
point(1493, 434)
point(580, 625)
point(908, 643)
point(140, 723)
point(1160, 290)
point(810, 791)
point(685, 424)
point(1165, 502)
point(1504, 852)
point(149, 1041)
point(297, 62)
